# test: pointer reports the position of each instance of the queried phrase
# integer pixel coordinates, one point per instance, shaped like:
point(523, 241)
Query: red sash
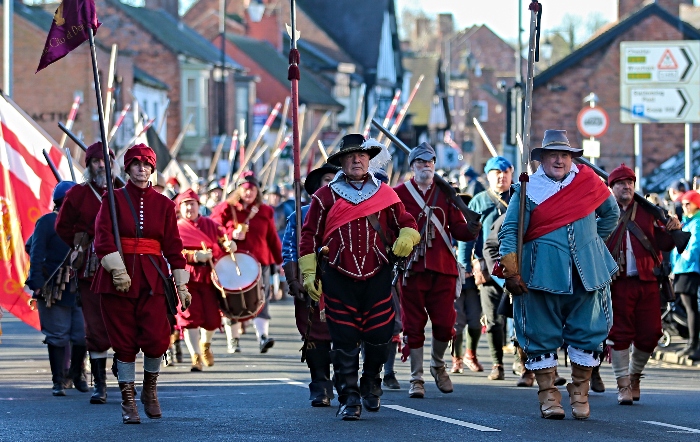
point(141, 246)
point(344, 211)
point(577, 200)
point(191, 236)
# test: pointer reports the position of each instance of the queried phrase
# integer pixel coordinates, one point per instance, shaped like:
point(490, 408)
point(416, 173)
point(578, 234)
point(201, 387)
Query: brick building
point(595, 67)
point(47, 96)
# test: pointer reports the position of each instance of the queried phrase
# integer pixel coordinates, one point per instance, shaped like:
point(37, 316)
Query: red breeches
point(95, 330)
point(319, 330)
point(636, 314)
point(135, 324)
point(428, 295)
point(204, 309)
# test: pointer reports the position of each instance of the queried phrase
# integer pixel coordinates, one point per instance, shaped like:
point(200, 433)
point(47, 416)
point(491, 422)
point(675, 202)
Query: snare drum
point(240, 282)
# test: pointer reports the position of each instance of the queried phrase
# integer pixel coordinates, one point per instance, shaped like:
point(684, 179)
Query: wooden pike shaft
point(71, 119)
point(283, 122)
point(119, 121)
point(231, 158)
point(360, 108)
point(485, 137)
point(404, 109)
point(314, 135)
point(390, 112)
point(368, 121)
point(263, 131)
point(110, 86)
point(217, 155)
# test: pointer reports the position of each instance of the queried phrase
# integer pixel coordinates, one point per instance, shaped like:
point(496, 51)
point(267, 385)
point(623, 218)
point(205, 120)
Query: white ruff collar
point(541, 187)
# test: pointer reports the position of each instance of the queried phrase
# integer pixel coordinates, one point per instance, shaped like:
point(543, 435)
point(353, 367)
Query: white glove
point(113, 264)
point(182, 277)
point(203, 256)
point(229, 246)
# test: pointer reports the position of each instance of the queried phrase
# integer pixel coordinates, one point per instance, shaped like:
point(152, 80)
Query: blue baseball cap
point(497, 163)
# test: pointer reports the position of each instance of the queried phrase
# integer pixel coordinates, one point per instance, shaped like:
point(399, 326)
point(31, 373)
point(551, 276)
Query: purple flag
point(70, 26)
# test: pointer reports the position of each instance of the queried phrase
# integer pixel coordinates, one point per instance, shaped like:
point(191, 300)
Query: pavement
point(254, 397)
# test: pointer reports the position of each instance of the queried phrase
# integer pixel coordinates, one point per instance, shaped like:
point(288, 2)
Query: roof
point(608, 36)
point(339, 20)
point(34, 14)
point(265, 55)
point(174, 34)
point(141, 76)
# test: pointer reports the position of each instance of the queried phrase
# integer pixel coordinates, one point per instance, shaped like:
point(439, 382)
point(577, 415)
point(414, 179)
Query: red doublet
point(355, 248)
point(78, 213)
point(438, 258)
point(204, 309)
point(157, 218)
point(635, 299)
point(261, 240)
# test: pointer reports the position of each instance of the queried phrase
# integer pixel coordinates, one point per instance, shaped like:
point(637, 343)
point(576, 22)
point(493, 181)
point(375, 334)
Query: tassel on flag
point(69, 29)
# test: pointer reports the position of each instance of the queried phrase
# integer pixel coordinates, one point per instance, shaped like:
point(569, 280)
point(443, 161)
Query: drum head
point(240, 275)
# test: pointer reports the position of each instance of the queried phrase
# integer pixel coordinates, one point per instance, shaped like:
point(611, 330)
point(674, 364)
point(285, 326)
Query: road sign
point(660, 82)
point(591, 148)
point(592, 121)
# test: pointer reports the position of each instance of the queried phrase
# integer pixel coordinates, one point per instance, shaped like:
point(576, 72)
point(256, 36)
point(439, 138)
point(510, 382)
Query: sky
point(502, 15)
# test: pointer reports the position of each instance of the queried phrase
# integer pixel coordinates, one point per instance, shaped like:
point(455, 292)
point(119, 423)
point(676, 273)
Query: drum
point(240, 286)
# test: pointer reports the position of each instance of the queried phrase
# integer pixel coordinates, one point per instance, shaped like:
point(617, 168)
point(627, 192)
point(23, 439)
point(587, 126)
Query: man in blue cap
point(491, 204)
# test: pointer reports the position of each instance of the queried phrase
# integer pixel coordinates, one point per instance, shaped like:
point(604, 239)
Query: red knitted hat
point(187, 195)
point(140, 152)
point(622, 172)
point(95, 151)
point(691, 196)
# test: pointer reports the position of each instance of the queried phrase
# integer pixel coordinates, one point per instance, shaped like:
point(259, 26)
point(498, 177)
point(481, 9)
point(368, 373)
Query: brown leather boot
point(527, 377)
point(578, 390)
point(624, 392)
point(149, 395)
point(130, 414)
point(207, 354)
point(472, 362)
point(597, 384)
point(634, 385)
point(548, 394)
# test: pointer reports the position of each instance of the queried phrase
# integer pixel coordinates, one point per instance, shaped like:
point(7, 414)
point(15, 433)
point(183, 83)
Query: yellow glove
point(307, 268)
point(408, 238)
point(113, 264)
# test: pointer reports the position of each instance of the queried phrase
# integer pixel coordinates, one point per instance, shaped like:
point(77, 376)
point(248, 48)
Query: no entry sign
point(592, 121)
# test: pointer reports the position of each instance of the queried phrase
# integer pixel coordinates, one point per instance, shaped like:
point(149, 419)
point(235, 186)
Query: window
point(195, 103)
point(481, 110)
point(342, 85)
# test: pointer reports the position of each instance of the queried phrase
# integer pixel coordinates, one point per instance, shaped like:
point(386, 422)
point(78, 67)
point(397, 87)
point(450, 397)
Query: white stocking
point(192, 340)
point(262, 326)
point(207, 335)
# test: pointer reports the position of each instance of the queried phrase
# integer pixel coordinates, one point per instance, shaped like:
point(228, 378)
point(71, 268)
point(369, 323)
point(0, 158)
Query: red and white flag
point(26, 185)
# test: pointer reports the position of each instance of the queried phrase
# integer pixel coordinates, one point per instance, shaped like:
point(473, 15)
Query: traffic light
point(514, 114)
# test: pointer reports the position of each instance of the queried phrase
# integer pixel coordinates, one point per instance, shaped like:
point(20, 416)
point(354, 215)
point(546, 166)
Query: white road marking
point(676, 427)
point(440, 418)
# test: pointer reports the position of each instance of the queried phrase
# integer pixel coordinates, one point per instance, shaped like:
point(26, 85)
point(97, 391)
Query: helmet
point(61, 189)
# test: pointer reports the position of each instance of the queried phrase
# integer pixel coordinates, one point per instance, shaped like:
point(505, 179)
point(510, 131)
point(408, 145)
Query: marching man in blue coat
point(561, 295)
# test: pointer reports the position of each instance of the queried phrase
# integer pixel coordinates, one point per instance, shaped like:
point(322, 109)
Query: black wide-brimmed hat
point(555, 140)
point(353, 143)
point(313, 179)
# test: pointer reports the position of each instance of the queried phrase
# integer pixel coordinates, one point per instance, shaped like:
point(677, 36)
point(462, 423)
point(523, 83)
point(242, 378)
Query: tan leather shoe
point(207, 354)
point(578, 391)
point(417, 390)
point(130, 414)
point(457, 365)
point(527, 379)
point(149, 395)
point(548, 395)
point(472, 362)
point(624, 392)
point(442, 379)
point(197, 362)
point(634, 385)
point(497, 373)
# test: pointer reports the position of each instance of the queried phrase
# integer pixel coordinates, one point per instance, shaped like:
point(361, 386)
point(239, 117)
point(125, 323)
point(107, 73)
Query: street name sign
point(660, 82)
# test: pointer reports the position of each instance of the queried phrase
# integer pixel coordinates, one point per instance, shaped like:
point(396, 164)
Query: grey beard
point(100, 180)
point(424, 177)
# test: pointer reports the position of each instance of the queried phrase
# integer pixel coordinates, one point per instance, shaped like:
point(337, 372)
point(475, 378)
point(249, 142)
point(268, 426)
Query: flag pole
point(293, 75)
point(105, 147)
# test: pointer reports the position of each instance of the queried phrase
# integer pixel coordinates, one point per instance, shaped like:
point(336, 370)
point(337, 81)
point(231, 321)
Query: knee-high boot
point(57, 357)
point(578, 390)
point(77, 368)
point(370, 382)
point(98, 366)
point(346, 364)
point(548, 394)
point(319, 362)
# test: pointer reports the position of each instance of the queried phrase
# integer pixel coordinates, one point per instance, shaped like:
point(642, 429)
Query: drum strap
point(168, 283)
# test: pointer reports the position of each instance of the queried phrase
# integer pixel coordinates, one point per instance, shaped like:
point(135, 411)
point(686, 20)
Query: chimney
point(269, 28)
point(169, 6)
point(446, 25)
point(627, 7)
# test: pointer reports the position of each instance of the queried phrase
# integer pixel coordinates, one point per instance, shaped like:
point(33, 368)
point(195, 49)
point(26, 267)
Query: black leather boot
point(77, 368)
point(319, 362)
point(346, 364)
point(371, 383)
point(57, 357)
point(99, 374)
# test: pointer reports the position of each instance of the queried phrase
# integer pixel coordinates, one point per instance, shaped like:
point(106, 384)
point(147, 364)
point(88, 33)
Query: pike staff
point(293, 75)
point(533, 55)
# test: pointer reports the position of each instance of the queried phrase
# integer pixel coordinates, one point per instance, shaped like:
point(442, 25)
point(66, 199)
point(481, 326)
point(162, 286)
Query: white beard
point(424, 176)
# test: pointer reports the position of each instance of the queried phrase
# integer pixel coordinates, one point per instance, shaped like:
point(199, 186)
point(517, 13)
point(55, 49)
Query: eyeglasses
point(424, 162)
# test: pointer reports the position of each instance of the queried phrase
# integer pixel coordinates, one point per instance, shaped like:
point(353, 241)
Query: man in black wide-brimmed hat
point(356, 224)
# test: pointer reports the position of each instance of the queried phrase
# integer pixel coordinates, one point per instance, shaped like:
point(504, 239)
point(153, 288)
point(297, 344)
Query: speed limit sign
point(593, 121)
